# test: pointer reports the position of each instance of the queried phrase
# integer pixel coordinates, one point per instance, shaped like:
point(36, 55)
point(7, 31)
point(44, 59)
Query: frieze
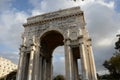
point(44, 21)
point(58, 13)
point(50, 16)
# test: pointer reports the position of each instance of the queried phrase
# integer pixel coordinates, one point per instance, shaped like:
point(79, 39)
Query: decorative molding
point(52, 19)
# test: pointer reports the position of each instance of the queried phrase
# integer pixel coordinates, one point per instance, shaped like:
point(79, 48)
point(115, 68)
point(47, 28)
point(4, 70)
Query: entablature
point(43, 21)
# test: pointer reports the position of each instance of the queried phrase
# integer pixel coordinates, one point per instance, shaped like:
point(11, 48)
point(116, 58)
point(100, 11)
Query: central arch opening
point(51, 42)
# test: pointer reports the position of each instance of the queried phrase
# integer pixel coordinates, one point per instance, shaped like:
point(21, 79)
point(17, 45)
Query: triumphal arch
point(43, 33)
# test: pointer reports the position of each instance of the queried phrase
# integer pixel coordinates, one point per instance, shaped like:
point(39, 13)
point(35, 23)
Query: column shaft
point(69, 63)
point(41, 68)
point(38, 63)
point(49, 69)
point(88, 65)
point(44, 69)
point(93, 69)
point(19, 73)
point(76, 72)
point(36, 67)
point(83, 62)
point(31, 65)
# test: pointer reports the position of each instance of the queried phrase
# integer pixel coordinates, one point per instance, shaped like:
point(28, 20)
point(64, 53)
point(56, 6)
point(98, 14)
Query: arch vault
point(43, 33)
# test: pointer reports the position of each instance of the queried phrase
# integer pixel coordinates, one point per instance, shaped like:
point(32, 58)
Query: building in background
point(6, 67)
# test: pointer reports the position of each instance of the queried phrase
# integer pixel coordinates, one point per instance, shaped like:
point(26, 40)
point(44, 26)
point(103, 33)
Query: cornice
point(52, 19)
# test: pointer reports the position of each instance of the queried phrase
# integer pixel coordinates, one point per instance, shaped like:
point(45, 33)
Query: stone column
point(20, 67)
point(92, 63)
point(37, 63)
point(44, 69)
point(30, 72)
point(19, 73)
point(36, 66)
point(76, 72)
point(49, 69)
point(69, 62)
point(25, 66)
point(88, 64)
point(83, 62)
point(40, 67)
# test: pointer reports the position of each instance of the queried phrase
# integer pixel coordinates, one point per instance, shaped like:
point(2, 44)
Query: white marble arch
point(43, 33)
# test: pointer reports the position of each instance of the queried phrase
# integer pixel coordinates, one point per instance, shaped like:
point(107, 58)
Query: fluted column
point(30, 72)
point(49, 69)
point(76, 72)
point(83, 62)
point(36, 66)
point(69, 62)
point(44, 69)
point(92, 63)
point(37, 63)
point(40, 67)
point(20, 65)
point(19, 73)
point(25, 66)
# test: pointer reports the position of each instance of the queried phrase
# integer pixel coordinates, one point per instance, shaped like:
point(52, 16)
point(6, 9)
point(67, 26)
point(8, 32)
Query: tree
point(11, 75)
point(59, 77)
point(113, 64)
point(117, 44)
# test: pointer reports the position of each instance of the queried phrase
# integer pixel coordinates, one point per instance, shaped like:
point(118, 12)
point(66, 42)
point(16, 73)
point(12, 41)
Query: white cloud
point(102, 72)
point(11, 28)
point(118, 31)
point(5, 4)
point(104, 42)
point(62, 58)
point(109, 4)
point(58, 61)
point(52, 5)
point(36, 12)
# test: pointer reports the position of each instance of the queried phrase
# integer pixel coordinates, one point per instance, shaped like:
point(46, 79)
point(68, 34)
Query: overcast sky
point(102, 18)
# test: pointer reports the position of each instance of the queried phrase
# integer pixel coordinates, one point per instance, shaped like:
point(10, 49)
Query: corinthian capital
point(32, 41)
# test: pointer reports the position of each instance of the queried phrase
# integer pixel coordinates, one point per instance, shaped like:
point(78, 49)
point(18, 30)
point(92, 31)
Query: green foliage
point(117, 44)
point(2, 79)
point(113, 64)
point(59, 77)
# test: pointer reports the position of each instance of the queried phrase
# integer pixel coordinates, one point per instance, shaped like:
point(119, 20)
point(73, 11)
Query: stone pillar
point(68, 62)
point(44, 69)
point(20, 65)
point(19, 73)
point(30, 72)
point(40, 67)
point(36, 66)
point(88, 64)
point(76, 72)
point(92, 63)
point(25, 66)
point(83, 62)
point(49, 69)
point(37, 63)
